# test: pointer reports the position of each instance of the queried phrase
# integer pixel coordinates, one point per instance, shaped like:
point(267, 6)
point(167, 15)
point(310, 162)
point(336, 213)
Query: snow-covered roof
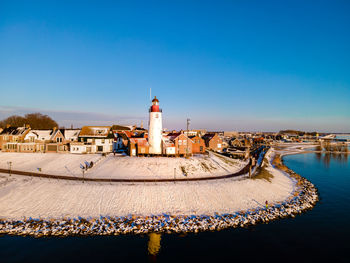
point(71, 134)
point(43, 135)
point(18, 131)
point(94, 131)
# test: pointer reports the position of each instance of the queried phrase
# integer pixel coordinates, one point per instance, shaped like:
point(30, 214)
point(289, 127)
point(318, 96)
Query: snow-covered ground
point(22, 196)
point(50, 163)
point(119, 166)
point(294, 147)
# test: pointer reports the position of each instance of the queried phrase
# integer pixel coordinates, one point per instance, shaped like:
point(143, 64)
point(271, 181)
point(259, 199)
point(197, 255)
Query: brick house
point(11, 136)
point(56, 142)
point(183, 144)
point(213, 141)
point(138, 147)
point(51, 140)
point(198, 145)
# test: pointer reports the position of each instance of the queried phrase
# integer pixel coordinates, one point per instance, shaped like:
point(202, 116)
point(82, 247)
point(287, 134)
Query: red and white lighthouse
point(155, 129)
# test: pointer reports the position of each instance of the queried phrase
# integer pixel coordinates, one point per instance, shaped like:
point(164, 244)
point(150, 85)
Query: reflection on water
point(326, 151)
point(328, 156)
point(153, 246)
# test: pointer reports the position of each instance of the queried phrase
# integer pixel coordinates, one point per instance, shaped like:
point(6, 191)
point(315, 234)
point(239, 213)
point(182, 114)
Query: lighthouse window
point(156, 115)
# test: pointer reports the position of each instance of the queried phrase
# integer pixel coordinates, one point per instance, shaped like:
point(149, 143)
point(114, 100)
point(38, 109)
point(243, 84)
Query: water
point(343, 136)
point(321, 234)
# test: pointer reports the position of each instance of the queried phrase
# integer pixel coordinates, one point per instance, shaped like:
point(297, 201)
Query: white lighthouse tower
point(155, 128)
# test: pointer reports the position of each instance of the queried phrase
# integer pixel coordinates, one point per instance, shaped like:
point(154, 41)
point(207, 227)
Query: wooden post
point(10, 166)
point(250, 167)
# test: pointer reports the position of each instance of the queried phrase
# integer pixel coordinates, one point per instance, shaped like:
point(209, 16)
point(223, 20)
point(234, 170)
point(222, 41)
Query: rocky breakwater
point(303, 198)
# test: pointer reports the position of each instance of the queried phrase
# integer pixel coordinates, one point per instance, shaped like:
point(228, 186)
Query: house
point(70, 135)
point(198, 145)
point(183, 144)
point(35, 141)
point(93, 139)
point(79, 147)
point(56, 142)
point(234, 142)
point(213, 141)
point(168, 146)
point(121, 140)
point(51, 140)
point(11, 136)
point(138, 146)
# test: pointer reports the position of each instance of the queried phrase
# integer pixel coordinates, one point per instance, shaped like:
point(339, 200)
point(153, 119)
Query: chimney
point(141, 124)
point(71, 126)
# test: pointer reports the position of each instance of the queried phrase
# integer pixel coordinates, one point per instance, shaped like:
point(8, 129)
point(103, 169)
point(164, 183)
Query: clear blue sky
point(227, 65)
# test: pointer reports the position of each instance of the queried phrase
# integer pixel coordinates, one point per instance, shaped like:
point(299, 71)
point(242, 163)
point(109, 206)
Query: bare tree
point(35, 120)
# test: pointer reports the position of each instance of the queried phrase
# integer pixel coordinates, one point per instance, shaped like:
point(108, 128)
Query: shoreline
point(303, 198)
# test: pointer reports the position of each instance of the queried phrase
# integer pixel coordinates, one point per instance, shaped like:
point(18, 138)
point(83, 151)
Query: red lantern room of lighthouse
point(155, 106)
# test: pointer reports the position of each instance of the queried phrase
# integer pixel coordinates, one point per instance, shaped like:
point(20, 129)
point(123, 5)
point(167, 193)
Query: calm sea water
point(322, 234)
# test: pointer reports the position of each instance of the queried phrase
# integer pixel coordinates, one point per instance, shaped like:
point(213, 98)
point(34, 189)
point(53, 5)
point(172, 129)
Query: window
point(180, 142)
point(59, 139)
point(185, 142)
point(103, 141)
point(201, 148)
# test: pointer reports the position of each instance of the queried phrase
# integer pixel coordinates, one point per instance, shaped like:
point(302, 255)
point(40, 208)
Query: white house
point(93, 139)
point(71, 135)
